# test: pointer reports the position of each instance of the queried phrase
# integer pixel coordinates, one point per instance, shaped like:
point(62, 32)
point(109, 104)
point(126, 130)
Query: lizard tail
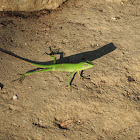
point(22, 59)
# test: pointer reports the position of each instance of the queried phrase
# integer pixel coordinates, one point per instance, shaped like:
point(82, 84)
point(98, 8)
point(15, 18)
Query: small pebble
point(15, 97)
point(115, 18)
point(130, 79)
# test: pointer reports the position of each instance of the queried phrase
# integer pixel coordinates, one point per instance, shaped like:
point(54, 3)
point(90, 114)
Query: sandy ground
point(43, 107)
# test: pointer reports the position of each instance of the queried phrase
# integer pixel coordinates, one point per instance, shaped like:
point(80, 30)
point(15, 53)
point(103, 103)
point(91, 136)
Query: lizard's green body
point(68, 67)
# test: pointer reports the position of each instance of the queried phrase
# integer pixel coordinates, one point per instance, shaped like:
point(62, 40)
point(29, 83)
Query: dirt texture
point(29, 5)
point(43, 107)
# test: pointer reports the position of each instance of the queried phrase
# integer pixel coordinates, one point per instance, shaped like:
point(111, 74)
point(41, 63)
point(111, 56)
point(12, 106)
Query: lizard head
point(86, 65)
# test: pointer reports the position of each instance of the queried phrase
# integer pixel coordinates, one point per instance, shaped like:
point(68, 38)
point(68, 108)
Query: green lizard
point(68, 67)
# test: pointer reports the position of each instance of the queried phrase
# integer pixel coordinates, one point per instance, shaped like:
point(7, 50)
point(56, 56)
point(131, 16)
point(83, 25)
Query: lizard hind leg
point(32, 72)
point(19, 79)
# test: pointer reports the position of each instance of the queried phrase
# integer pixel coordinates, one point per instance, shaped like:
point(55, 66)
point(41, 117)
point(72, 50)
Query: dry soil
point(43, 107)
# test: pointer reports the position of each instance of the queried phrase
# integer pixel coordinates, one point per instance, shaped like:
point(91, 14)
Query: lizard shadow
point(76, 58)
point(89, 55)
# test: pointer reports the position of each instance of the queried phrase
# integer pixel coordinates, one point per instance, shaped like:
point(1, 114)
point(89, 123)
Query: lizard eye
point(85, 64)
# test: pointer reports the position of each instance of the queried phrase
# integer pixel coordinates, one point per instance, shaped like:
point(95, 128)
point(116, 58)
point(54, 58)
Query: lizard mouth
point(89, 62)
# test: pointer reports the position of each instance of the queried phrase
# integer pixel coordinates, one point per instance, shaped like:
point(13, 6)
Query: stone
point(29, 5)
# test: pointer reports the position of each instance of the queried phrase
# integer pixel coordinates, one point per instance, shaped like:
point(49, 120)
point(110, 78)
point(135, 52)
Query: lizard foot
point(85, 77)
point(52, 52)
point(19, 79)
